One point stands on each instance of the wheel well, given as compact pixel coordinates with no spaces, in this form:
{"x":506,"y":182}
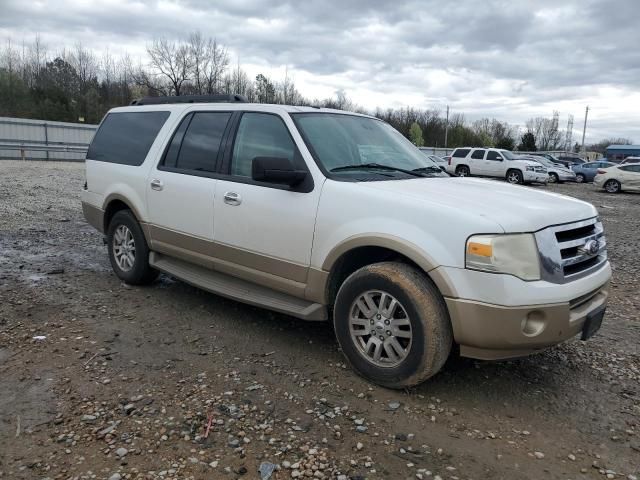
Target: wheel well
{"x":113,"y":207}
{"x":355,"y":259}
{"x":462,"y":165}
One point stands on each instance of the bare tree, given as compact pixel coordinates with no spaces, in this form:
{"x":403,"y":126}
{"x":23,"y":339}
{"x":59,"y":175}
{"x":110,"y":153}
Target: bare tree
{"x":239,"y":81}
{"x":218,"y":63}
{"x":546,"y":132}
{"x":170,"y":60}
{"x":85,"y":64}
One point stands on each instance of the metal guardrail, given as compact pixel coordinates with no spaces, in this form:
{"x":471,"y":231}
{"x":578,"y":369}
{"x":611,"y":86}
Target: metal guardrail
{"x":23,"y":148}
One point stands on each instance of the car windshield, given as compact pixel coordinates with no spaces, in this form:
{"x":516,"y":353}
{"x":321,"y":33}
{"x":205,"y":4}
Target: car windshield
{"x":545,"y":161}
{"x":508,"y":155}
{"x":344,"y":144}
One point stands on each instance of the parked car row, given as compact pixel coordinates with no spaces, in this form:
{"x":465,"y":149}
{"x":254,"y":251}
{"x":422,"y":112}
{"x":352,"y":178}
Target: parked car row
{"x":539,"y":168}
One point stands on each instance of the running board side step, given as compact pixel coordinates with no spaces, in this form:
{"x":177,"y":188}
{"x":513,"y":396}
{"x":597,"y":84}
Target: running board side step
{"x":237,"y":289}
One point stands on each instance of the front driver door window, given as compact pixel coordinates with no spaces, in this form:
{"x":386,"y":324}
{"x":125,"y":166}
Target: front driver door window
{"x":262,"y":228}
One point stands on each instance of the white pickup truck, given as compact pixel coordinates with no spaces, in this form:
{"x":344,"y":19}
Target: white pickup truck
{"x":324,"y":214}
{"x":493,"y":162}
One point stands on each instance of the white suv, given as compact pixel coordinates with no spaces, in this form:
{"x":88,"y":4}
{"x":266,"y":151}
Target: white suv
{"x":492,"y":162}
{"x":323,"y":214}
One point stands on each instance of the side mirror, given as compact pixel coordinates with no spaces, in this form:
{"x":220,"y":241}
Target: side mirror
{"x":499,"y":158}
{"x":276,"y":170}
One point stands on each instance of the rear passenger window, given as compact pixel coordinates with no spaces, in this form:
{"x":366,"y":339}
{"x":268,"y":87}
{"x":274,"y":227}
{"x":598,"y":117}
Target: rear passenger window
{"x":260,"y":135}
{"x":126,"y":137}
{"x":196,"y":143}
{"x":478,"y":154}
{"x":461,"y":152}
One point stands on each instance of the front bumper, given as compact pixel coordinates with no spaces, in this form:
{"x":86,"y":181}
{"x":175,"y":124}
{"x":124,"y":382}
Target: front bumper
{"x":490,"y":321}
{"x":535,"y":177}
{"x":567,"y":177}
{"x":492,"y":332}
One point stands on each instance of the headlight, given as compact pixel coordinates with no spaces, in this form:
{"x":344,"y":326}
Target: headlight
{"x":530,"y":168}
{"x":512,"y":254}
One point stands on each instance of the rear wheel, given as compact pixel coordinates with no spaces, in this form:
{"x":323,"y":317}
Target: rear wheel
{"x":128,"y":249}
{"x":463,"y":171}
{"x":514,"y":177}
{"x":553,"y":178}
{"x":392,"y":324}
{"x":580,"y":178}
{"x":612,"y":186}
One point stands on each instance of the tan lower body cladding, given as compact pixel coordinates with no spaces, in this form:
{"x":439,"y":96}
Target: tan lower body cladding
{"x":287,"y":277}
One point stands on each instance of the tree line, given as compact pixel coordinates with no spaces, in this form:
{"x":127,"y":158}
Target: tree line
{"x":76,"y":84}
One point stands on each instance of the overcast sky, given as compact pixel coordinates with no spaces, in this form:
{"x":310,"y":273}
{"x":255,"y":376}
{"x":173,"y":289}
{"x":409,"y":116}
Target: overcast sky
{"x":505,"y":59}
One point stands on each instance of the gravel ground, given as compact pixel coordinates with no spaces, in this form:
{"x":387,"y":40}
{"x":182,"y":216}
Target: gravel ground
{"x":104,"y":380}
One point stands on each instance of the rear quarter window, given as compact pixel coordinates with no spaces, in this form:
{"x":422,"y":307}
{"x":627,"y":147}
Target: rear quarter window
{"x":126,"y":137}
{"x":460,"y":152}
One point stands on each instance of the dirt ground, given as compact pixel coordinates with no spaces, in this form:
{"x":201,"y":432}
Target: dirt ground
{"x":107,"y":381}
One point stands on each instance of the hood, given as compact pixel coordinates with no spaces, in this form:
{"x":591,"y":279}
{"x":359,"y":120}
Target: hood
{"x":515,"y":208}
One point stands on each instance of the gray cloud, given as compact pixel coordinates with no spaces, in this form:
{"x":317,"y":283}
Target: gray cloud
{"x":508,"y":58}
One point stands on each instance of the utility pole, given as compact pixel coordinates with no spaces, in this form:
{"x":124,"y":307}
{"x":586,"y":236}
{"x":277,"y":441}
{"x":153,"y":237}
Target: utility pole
{"x":446,"y":129}
{"x":584,"y":129}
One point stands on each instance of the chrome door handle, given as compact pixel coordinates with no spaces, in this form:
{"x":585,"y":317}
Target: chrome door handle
{"x":232,"y":198}
{"x":156,"y":184}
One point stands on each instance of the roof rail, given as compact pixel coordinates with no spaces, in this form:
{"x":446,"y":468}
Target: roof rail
{"x":191,"y":99}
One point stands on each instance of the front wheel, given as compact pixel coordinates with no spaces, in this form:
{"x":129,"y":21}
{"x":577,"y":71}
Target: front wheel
{"x":128,"y":250}
{"x":515,"y":177}
{"x":392,"y":324}
{"x":612,"y":186}
{"x":553,"y":178}
{"x":580,"y":178}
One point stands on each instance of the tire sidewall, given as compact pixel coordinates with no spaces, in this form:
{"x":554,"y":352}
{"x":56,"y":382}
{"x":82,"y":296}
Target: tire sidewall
{"x":352,"y":288}
{"x":140,"y":265}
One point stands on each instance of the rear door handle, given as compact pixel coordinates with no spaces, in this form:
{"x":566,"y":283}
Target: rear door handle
{"x":156,"y":184}
{"x":232,"y":198}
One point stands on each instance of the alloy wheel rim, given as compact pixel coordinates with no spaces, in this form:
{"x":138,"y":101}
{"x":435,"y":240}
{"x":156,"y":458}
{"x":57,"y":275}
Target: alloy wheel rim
{"x":380,"y":328}
{"x":553,"y":178}
{"x":612,"y":187}
{"x":513,"y":178}
{"x":579,"y":178}
{"x":124,"y":248}
{"x":462,"y":172}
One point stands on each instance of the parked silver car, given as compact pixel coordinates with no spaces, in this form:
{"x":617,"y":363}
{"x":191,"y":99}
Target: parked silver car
{"x":558,"y":173}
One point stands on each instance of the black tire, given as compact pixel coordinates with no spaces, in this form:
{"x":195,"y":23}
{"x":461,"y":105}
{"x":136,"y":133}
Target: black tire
{"x":431,"y":334}
{"x":462,"y":171}
{"x":140,"y":273}
{"x":514,"y":177}
{"x":612,"y":186}
{"x":580,"y":178}
{"x":553,"y":178}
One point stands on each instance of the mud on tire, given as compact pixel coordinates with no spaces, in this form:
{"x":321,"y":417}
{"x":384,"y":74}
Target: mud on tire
{"x":425,"y":317}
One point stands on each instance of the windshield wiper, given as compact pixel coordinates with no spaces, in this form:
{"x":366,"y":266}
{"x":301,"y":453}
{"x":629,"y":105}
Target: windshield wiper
{"x":367,"y":166}
{"x":433,"y":169}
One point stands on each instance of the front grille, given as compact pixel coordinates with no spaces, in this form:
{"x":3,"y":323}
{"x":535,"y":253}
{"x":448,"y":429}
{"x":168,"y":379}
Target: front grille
{"x":571,"y":251}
